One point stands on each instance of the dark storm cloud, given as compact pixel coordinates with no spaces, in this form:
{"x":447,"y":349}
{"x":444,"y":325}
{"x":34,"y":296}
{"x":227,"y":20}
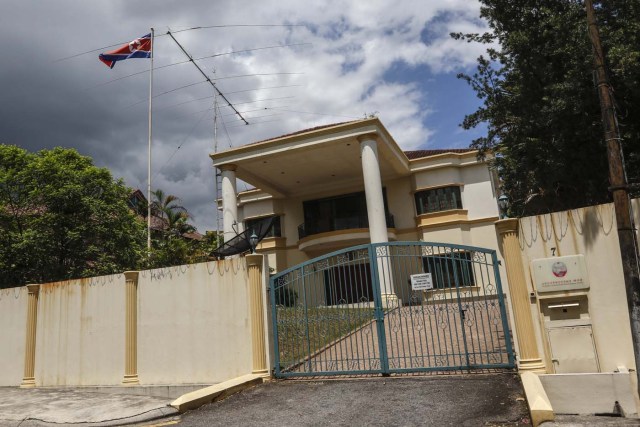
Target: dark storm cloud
{"x":46,"y":103}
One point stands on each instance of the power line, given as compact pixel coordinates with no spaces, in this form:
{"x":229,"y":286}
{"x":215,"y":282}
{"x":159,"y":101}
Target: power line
{"x":257,"y":123}
{"x":211,"y":96}
{"x":207,"y":77}
{"x":233,"y":114}
{"x":256,"y":109}
{"x":166,"y":92}
{"x":181,"y":143}
{"x":201,"y":58}
{"x":204,"y":81}
{"x":239,"y":25}
{"x":318,"y":114}
{"x":178,"y":31}
{"x":262,"y":88}
{"x":262,"y":100}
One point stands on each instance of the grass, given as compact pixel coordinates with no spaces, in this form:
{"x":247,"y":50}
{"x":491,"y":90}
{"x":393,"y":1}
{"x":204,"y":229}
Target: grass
{"x":302,"y":334}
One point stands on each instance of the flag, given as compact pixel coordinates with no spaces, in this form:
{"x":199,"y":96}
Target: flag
{"x":138,"y":48}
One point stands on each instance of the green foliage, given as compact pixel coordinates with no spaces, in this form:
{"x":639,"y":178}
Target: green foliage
{"x":286,"y":297}
{"x":540,"y":104}
{"x":61,"y":217}
{"x":170,"y":246}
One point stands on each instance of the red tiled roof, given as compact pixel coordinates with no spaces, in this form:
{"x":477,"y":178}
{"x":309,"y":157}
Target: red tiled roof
{"x":418,"y":154}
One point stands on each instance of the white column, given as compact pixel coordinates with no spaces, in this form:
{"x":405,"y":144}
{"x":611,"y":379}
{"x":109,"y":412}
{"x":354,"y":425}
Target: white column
{"x":377,"y":217}
{"x":373,"y":188}
{"x":229,"y":200}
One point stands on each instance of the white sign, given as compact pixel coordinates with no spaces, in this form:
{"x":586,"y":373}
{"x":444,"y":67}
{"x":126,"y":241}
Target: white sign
{"x":421,"y":282}
{"x":565,"y":273}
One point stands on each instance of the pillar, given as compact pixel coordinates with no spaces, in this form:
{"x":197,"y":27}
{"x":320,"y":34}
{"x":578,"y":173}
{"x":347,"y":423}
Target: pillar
{"x":131,"y":329}
{"x":256,"y":310}
{"x":528,"y":352}
{"x":376,"y":215}
{"x":229,"y":200}
{"x":373,"y":188}
{"x":29,"y":379}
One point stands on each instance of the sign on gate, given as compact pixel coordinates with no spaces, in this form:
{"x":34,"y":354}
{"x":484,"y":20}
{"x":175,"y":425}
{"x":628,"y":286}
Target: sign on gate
{"x":421,"y":282}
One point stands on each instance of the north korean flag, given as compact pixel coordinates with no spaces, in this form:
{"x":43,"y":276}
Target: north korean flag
{"x":138,"y":48}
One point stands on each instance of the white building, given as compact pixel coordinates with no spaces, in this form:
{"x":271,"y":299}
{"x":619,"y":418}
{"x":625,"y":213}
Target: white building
{"x":339,"y":185}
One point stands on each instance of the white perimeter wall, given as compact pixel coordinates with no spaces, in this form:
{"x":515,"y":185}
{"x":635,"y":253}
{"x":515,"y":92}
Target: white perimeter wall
{"x":80,"y":332}
{"x":193,"y":323}
{"x":13,"y":321}
{"x":193,"y":327}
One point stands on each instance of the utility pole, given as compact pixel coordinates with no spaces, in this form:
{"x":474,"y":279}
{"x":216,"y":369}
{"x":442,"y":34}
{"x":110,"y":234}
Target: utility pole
{"x":618,"y":187}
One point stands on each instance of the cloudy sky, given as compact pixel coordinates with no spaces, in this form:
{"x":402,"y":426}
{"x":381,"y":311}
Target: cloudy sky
{"x":344,"y":59}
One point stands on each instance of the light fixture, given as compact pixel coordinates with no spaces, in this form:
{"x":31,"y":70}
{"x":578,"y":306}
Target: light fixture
{"x":253,"y":242}
{"x":503,"y":204}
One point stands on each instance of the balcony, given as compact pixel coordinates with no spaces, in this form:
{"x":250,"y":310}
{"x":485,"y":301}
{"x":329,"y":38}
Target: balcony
{"x":338,"y":224}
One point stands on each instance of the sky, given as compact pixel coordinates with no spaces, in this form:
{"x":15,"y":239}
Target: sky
{"x":298,"y":64}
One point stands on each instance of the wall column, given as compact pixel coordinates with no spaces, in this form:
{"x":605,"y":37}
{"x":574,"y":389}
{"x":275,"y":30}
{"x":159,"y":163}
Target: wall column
{"x":256,"y":310}
{"x":377,"y":215}
{"x":29,"y":379}
{"x":229,"y":200}
{"x":528,"y":352}
{"x":131,"y":329}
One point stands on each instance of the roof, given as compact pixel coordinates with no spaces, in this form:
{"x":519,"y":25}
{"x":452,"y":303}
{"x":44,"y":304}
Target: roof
{"x":418,"y":154}
{"x":302,"y":131}
{"x":412,"y":154}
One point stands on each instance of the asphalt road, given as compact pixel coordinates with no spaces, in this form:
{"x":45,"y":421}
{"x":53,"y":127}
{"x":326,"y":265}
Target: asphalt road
{"x":444,"y":400}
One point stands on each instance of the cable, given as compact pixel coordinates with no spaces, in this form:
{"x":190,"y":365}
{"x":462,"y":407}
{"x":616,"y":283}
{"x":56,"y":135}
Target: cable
{"x":181,"y":143}
{"x":262,"y":88}
{"x":262,"y":100}
{"x":198,"y":59}
{"x":255,"y":109}
{"x":164,"y":93}
{"x":204,"y":81}
{"x":178,"y":31}
{"x":209,"y":97}
{"x":256,"y":123}
{"x":318,"y":114}
{"x":207,"y":77}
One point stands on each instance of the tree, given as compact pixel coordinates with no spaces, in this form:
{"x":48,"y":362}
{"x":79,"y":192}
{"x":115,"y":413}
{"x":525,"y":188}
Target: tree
{"x":171,"y":245}
{"x":61,"y":217}
{"x":540,"y":104}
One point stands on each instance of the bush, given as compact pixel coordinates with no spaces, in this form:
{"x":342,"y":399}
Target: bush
{"x":286,"y":296}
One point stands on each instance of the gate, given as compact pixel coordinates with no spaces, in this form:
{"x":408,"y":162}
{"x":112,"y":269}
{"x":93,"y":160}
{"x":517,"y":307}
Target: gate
{"x":356,"y":311}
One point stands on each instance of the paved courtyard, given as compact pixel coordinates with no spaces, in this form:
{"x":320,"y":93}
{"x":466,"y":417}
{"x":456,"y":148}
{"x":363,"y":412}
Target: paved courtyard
{"x":430,"y":335}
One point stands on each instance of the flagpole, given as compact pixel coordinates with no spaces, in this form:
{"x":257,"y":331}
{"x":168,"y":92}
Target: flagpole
{"x":149,"y":157}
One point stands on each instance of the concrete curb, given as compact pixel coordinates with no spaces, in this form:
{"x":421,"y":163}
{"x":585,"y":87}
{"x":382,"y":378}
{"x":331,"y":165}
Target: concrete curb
{"x":215,"y":392}
{"x":539,"y":405}
{"x":144,"y":417}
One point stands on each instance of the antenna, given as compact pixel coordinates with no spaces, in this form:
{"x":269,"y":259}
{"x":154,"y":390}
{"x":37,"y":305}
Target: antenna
{"x":207,"y":78}
{"x":218,"y":176}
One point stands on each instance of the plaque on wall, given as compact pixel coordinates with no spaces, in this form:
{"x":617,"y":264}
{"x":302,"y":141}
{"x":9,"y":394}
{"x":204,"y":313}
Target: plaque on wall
{"x":564,"y":273}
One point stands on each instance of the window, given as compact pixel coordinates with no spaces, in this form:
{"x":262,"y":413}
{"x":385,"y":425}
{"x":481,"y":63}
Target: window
{"x":275,"y":230}
{"x":438,"y":199}
{"x":448,"y":268}
{"x":342,"y":212}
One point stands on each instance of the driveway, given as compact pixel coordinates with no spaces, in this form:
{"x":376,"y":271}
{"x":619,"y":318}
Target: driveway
{"x":439,"y":400}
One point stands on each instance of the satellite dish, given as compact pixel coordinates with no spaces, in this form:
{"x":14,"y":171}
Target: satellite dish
{"x":241,"y":242}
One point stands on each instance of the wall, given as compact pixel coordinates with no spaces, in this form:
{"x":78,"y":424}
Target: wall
{"x":194,"y":323}
{"x":13,"y":318}
{"x":590,"y":231}
{"x":193,"y":327}
{"x":80,"y":332}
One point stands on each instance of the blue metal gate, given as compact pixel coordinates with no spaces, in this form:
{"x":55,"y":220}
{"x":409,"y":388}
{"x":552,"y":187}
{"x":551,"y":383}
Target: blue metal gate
{"x":356,"y":311}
